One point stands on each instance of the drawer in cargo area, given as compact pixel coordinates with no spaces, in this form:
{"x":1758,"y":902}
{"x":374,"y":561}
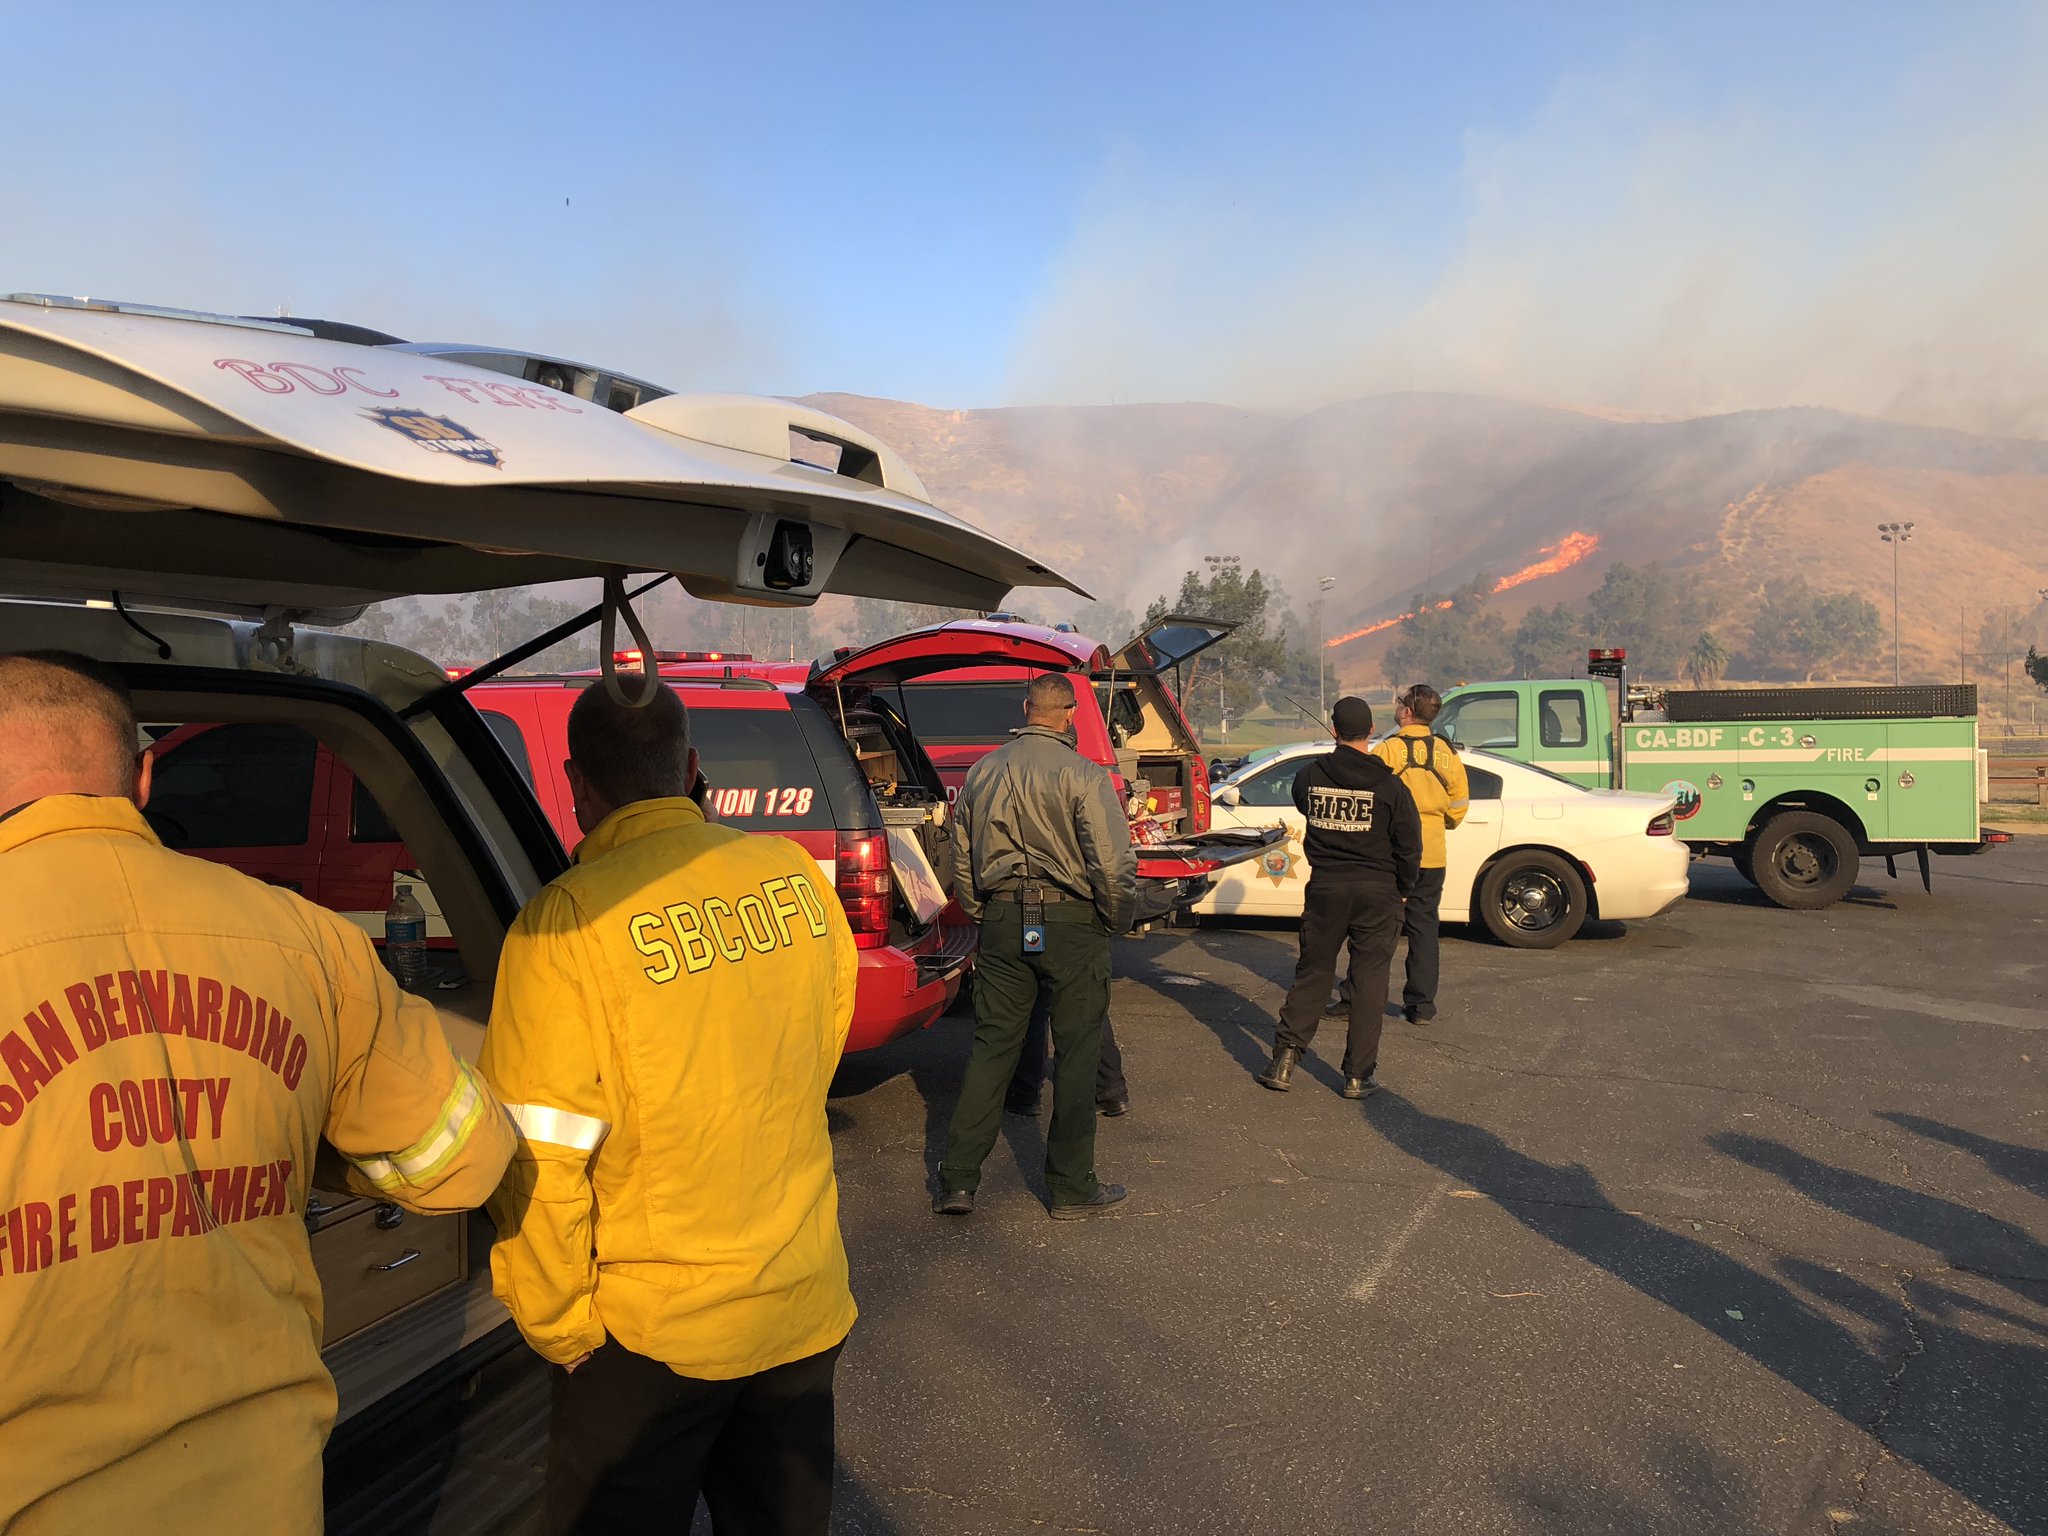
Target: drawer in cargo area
{"x":374,"y":1259}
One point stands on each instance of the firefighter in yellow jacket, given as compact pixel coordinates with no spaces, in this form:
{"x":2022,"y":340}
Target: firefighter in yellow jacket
{"x":175,"y":1039}
{"x":1428,"y":767}
{"x":668,"y":1018}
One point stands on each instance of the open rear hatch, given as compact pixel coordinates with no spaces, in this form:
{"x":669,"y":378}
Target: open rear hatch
{"x":199,"y":461}
{"x":1169,"y":641}
{"x":968,"y":643}
{"x":862,"y":690}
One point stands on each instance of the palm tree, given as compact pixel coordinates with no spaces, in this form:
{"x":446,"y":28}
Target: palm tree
{"x":1707,"y":662}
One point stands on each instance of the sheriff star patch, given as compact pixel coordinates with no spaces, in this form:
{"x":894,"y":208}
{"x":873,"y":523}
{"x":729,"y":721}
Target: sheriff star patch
{"x":1279,"y":862}
{"x":437,"y":434}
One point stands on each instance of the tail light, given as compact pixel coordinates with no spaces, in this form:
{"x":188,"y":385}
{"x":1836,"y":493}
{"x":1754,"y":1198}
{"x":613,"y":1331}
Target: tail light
{"x":1198,"y":775}
{"x":1661,"y":825}
{"x":863,"y":881}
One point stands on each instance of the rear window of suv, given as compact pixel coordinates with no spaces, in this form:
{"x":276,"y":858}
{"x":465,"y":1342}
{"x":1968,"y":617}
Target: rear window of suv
{"x":946,"y":714}
{"x":761,"y":771}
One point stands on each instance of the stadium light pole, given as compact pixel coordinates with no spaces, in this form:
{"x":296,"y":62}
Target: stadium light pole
{"x":1323,"y":644}
{"x":1895,"y":534}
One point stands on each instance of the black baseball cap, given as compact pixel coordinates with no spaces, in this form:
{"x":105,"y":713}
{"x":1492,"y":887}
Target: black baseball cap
{"x":1352,"y":718}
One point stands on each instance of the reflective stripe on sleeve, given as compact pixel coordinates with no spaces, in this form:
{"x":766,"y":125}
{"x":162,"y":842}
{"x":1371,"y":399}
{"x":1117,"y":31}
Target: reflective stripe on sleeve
{"x":558,"y":1127}
{"x":457,"y":1118}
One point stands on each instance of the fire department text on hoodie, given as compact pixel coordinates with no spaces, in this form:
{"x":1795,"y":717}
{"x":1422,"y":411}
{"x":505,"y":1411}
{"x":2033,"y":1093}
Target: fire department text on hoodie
{"x":1362,"y":822}
{"x":175,"y":1040}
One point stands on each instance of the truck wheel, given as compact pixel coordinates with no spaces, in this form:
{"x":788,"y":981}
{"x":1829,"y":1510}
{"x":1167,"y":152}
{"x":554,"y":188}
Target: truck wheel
{"x":1804,"y":861}
{"x":1532,"y":900}
{"x":1743,"y":865}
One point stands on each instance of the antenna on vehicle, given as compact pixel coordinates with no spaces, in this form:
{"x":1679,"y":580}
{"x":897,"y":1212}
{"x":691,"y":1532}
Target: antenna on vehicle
{"x":1307,"y":714}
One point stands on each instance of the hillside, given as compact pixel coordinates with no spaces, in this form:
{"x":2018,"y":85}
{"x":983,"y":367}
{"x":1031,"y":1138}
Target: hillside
{"x":1396,"y":493}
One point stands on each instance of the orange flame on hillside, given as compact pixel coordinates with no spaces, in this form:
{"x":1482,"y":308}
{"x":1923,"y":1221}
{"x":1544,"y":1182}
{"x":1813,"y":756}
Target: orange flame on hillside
{"x":1561,"y":556}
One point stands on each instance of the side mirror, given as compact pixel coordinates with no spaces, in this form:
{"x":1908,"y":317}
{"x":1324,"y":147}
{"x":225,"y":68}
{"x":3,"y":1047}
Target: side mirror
{"x":1229,"y":795}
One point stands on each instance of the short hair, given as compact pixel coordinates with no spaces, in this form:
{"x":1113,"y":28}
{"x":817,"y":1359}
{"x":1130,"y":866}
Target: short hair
{"x":1423,"y":702}
{"x":631,"y":753}
{"x":1049,"y":691}
{"x":1351,"y":718}
{"x":39,"y":684}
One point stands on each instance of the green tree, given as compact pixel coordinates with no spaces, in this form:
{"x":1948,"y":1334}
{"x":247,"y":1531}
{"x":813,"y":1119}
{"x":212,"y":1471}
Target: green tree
{"x":1707,"y":662}
{"x":1305,"y":662}
{"x":878,"y":619}
{"x":1653,"y":613}
{"x":1798,"y":631}
{"x":468,"y":631}
{"x":2037,"y":667}
{"x":1547,"y":643}
{"x":1233,"y":676}
{"x":1451,"y":639}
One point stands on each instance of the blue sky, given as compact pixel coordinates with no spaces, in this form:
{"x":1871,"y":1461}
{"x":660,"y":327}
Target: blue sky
{"x":1643,"y":206}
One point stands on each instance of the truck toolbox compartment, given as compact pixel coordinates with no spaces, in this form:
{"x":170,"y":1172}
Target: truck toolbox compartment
{"x":373,"y":1259}
{"x":1685,"y":706}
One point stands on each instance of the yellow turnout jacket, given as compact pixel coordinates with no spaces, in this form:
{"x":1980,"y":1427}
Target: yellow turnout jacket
{"x":1430,"y":771}
{"x":175,"y":1039}
{"x":668,"y":1018}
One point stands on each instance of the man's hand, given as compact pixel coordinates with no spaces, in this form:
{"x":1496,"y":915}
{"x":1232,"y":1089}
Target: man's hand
{"x":582,"y":1359}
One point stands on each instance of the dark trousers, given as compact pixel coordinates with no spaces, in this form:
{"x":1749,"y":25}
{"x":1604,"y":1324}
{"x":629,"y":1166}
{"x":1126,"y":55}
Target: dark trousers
{"x":631,"y":1445}
{"x":1073,"y":976}
{"x":1419,"y":928}
{"x":1368,"y":913}
{"x":1029,"y":1077}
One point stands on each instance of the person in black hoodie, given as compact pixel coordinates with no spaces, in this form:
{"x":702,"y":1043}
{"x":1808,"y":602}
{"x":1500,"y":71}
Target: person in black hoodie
{"x":1364,"y":847}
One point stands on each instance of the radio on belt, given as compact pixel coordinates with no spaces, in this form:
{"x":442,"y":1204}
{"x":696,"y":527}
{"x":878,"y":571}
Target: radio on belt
{"x":1031,"y":905}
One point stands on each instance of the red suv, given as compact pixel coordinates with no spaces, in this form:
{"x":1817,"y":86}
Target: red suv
{"x":850,"y":786}
{"x":960,"y":688}
{"x":271,"y":801}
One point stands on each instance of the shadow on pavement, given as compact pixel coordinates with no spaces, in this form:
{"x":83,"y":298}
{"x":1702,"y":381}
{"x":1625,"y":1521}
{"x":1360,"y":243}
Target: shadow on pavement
{"x":1965,"y":1238}
{"x":1987,"y":1439}
{"x":1724,"y":887}
{"x":933,"y":1065}
{"x":2026,"y":1167}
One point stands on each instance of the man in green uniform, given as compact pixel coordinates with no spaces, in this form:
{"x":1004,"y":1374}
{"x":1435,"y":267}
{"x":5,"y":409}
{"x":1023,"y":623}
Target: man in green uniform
{"x":1042,"y":860}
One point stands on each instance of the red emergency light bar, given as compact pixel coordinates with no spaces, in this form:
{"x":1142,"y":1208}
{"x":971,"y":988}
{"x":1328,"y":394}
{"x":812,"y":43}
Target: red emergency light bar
{"x":455,"y":672}
{"x":1616,"y":654}
{"x":664,"y":656}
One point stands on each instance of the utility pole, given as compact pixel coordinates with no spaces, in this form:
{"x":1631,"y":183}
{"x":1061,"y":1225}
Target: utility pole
{"x":2008,"y":669}
{"x":1218,"y":566}
{"x":1322,"y":644}
{"x":1895,"y":534}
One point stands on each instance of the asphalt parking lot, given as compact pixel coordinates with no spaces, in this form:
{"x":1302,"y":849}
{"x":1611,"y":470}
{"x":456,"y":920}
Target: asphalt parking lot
{"x":1733,"y":1221}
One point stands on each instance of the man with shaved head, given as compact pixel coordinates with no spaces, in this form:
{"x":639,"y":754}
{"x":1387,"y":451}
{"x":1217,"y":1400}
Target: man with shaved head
{"x":67,"y":726}
{"x":186,"y":1037}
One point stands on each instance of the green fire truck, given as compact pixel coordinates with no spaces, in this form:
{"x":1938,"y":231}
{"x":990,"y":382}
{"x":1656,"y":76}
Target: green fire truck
{"x":1794,"y":785}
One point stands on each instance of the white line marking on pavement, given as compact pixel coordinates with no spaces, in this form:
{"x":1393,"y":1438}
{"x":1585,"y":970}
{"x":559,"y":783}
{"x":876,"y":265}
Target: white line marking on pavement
{"x":1369,"y":1283}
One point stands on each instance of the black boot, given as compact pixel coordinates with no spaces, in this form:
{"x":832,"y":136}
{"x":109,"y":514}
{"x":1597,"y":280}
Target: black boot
{"x":1279,"y":1073}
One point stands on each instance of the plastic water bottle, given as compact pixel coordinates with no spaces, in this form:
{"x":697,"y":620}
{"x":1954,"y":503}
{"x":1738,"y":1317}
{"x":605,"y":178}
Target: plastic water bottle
{"x":405,"y":937}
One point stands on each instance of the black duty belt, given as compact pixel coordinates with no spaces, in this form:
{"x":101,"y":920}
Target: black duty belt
{"x":1051,"y":895}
